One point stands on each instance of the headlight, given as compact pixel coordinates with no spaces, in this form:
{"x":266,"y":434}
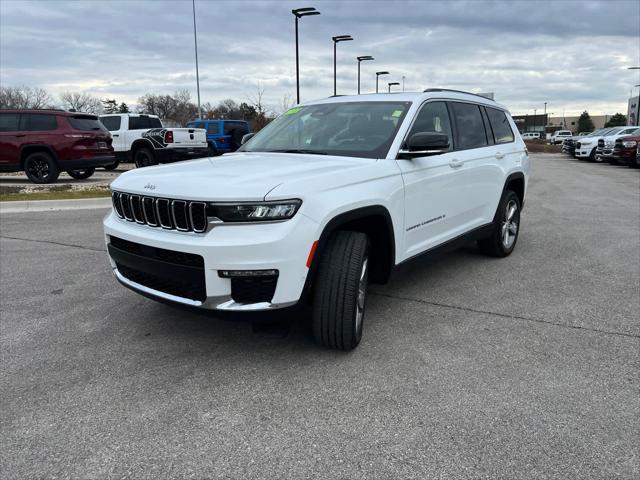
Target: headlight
{"x":629,"y":143}
{"x":253,"y":211}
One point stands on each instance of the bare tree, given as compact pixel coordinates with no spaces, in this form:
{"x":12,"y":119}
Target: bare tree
{"x":24,"y":97}
{"x":256,"y":100}
{"x":81,"y":102}
{"x":286,"y":103}
{"x":176,"y":109}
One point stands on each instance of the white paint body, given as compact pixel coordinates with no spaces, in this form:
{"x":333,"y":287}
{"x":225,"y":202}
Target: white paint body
{"x":464,"y":187}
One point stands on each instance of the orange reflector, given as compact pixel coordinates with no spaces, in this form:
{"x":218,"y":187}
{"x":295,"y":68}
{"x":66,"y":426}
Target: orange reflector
{"x":312,"y":253}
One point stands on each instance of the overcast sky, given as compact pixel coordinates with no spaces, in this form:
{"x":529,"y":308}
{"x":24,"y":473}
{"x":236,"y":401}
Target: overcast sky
{"x":572,"y":54}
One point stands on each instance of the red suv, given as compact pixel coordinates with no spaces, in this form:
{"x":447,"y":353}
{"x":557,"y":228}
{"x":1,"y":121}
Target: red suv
{"x":42,"y":143}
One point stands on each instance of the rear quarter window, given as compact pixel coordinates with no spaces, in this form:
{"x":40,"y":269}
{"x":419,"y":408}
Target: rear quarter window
{"x":85,"y":123}
{"x":139,"y":123}
{"x":154,"y":122}
{"x":502,"y":132}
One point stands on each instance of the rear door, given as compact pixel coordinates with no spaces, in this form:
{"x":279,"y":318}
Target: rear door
{"x":41,"y":129}
{"x":10,"y":138}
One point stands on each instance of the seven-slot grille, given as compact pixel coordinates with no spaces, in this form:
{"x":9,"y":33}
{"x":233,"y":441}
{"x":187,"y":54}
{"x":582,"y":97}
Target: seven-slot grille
{"x":181,"y":215}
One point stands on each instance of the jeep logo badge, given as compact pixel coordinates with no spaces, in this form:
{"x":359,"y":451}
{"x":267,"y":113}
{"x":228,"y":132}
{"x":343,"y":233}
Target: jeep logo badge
{"x":150,"y":186}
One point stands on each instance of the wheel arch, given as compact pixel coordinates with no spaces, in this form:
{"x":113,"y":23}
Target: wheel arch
{"x":375,"y":221}
{"x":27,"y":150}
{"x":141,"y":143}
{"x":515,"y":182}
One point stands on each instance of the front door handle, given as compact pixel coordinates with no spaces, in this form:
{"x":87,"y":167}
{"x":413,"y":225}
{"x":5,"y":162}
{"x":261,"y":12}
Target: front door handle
{"x":21,"y":134}
{"x":499,"y":155}
{"x":455,"y":163}
{"x":116,"y":135}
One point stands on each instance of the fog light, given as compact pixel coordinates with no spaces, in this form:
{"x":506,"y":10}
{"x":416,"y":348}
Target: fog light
{"x":247,"y":273}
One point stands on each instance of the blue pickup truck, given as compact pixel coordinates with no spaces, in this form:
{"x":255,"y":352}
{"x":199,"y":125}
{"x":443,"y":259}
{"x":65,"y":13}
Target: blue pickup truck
{"x":223,"y":136}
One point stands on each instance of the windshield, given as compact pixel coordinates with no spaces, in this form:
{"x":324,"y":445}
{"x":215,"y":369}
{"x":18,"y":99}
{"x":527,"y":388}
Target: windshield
{"x":352,"y":129}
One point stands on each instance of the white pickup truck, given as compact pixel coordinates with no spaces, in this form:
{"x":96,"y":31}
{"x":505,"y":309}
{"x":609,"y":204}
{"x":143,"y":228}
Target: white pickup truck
{"x":143,"y":140}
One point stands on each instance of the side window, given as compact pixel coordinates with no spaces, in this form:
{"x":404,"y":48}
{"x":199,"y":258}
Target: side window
{"x":196,"y":125}
{"x":433,"y":117}
{"x":40,"y":123}
{"x":111,"y":123}
{"x":470,"y":127}
{"x":213,"y":128}
{"x":8,"y":122}
{"x":502,"y":132}
{"x":155,"y":122}
{"x":138,"y":123}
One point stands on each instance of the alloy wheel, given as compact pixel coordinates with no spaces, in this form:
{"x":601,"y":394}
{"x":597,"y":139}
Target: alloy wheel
{"x":510,"y":225}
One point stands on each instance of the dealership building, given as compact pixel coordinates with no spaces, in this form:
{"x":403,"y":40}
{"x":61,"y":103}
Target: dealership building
{"x":547,"y":124}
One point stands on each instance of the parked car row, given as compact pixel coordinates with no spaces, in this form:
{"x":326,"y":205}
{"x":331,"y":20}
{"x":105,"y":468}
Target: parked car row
{"x":616,"y":145}
{"x":44,"y":143}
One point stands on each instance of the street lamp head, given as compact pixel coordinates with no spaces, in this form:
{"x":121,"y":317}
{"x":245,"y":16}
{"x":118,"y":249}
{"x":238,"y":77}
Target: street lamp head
{"x":366,"y":57}
{"x":382,"y":73}
{"x":342,"y":38}
{"x":303,"y":12}
{"x":393,"y":83}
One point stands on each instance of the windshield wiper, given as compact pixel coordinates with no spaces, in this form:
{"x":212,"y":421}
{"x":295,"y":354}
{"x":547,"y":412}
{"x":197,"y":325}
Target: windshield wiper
{"x":299,"y":150}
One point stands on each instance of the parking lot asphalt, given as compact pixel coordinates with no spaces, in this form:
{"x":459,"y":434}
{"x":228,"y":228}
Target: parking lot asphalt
{"x":470,"y":367}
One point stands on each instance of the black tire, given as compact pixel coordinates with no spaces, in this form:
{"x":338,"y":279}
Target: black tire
{"x":81,"y":174}
{"x":496,"y":244}
{"x":113,"y":166}
{"x":213,"y":151}
{"x":340,"y":291}
{"x":592,"y":155}
{"x":144,"y":158}
{"x":41,"y":167}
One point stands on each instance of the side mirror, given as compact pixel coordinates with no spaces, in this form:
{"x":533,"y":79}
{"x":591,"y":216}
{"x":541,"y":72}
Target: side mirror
{"x":422,"y":144}
{"x":246,"y":137}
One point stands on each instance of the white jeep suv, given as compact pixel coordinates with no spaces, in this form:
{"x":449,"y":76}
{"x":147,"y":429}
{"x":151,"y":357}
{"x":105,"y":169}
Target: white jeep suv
{"x":328,"y":197}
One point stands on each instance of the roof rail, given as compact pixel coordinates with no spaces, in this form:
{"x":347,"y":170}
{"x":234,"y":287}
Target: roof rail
{"x":456,"y":91}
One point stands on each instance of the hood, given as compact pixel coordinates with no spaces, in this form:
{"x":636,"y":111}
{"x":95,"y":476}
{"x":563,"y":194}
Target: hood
{"x":243,"y":176}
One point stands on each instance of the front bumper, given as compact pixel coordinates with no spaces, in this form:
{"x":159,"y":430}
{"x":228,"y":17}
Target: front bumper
{"x":584,"y":151}
{"x":625,"y":155}
{"x":282,"y":246}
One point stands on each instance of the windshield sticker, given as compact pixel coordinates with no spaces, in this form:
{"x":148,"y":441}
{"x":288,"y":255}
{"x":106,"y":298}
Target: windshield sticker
{"x":291,"y":111}
{"x":397,"y":113}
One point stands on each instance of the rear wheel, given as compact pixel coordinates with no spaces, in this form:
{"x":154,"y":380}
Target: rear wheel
{"x":41,"y":167}
{"x":213,"y":151}
{"x":81,"y":174}
{"x":144,"y":158}
{"x":113,"y":166}
{"x":340,"y":292}
{"x":506,"y":227}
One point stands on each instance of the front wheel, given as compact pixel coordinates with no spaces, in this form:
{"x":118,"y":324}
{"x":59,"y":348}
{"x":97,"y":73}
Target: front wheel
{"x":506,"y":227}
{"x":81,"y":174}
{"x":340,"y":292}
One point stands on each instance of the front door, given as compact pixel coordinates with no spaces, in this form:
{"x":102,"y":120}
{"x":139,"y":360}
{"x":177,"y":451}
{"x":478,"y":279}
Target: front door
{"x":430,"y":185}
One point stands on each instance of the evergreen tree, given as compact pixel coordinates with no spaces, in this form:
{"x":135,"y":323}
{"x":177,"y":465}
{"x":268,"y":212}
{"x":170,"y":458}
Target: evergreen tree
{"x":585,"y":124}
{"x":617,"y":120}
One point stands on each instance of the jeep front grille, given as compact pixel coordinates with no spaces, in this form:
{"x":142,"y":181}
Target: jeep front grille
{"x":170,"y":214}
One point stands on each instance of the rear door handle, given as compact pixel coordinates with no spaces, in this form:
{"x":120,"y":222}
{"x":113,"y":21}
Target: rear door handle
{"x":116,"y":135}
{"x":499,"y":155}
{"x":21,"y":134}
{"x":455,"y":163}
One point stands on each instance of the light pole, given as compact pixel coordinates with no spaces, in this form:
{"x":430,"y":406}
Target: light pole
{"x":392,"y":83}
{"x":377,"y":76}
{"x":195,"y":41}
{"x":535,"y":120}
{"x":362,"y":59}
{"x":403,"y":83}
{"x":299,"y":13}
{"x":638,"y":101}
{"x":336,"y":40}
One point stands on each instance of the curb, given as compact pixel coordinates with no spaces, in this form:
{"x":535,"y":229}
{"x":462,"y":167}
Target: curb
{"x":51,"y":205}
